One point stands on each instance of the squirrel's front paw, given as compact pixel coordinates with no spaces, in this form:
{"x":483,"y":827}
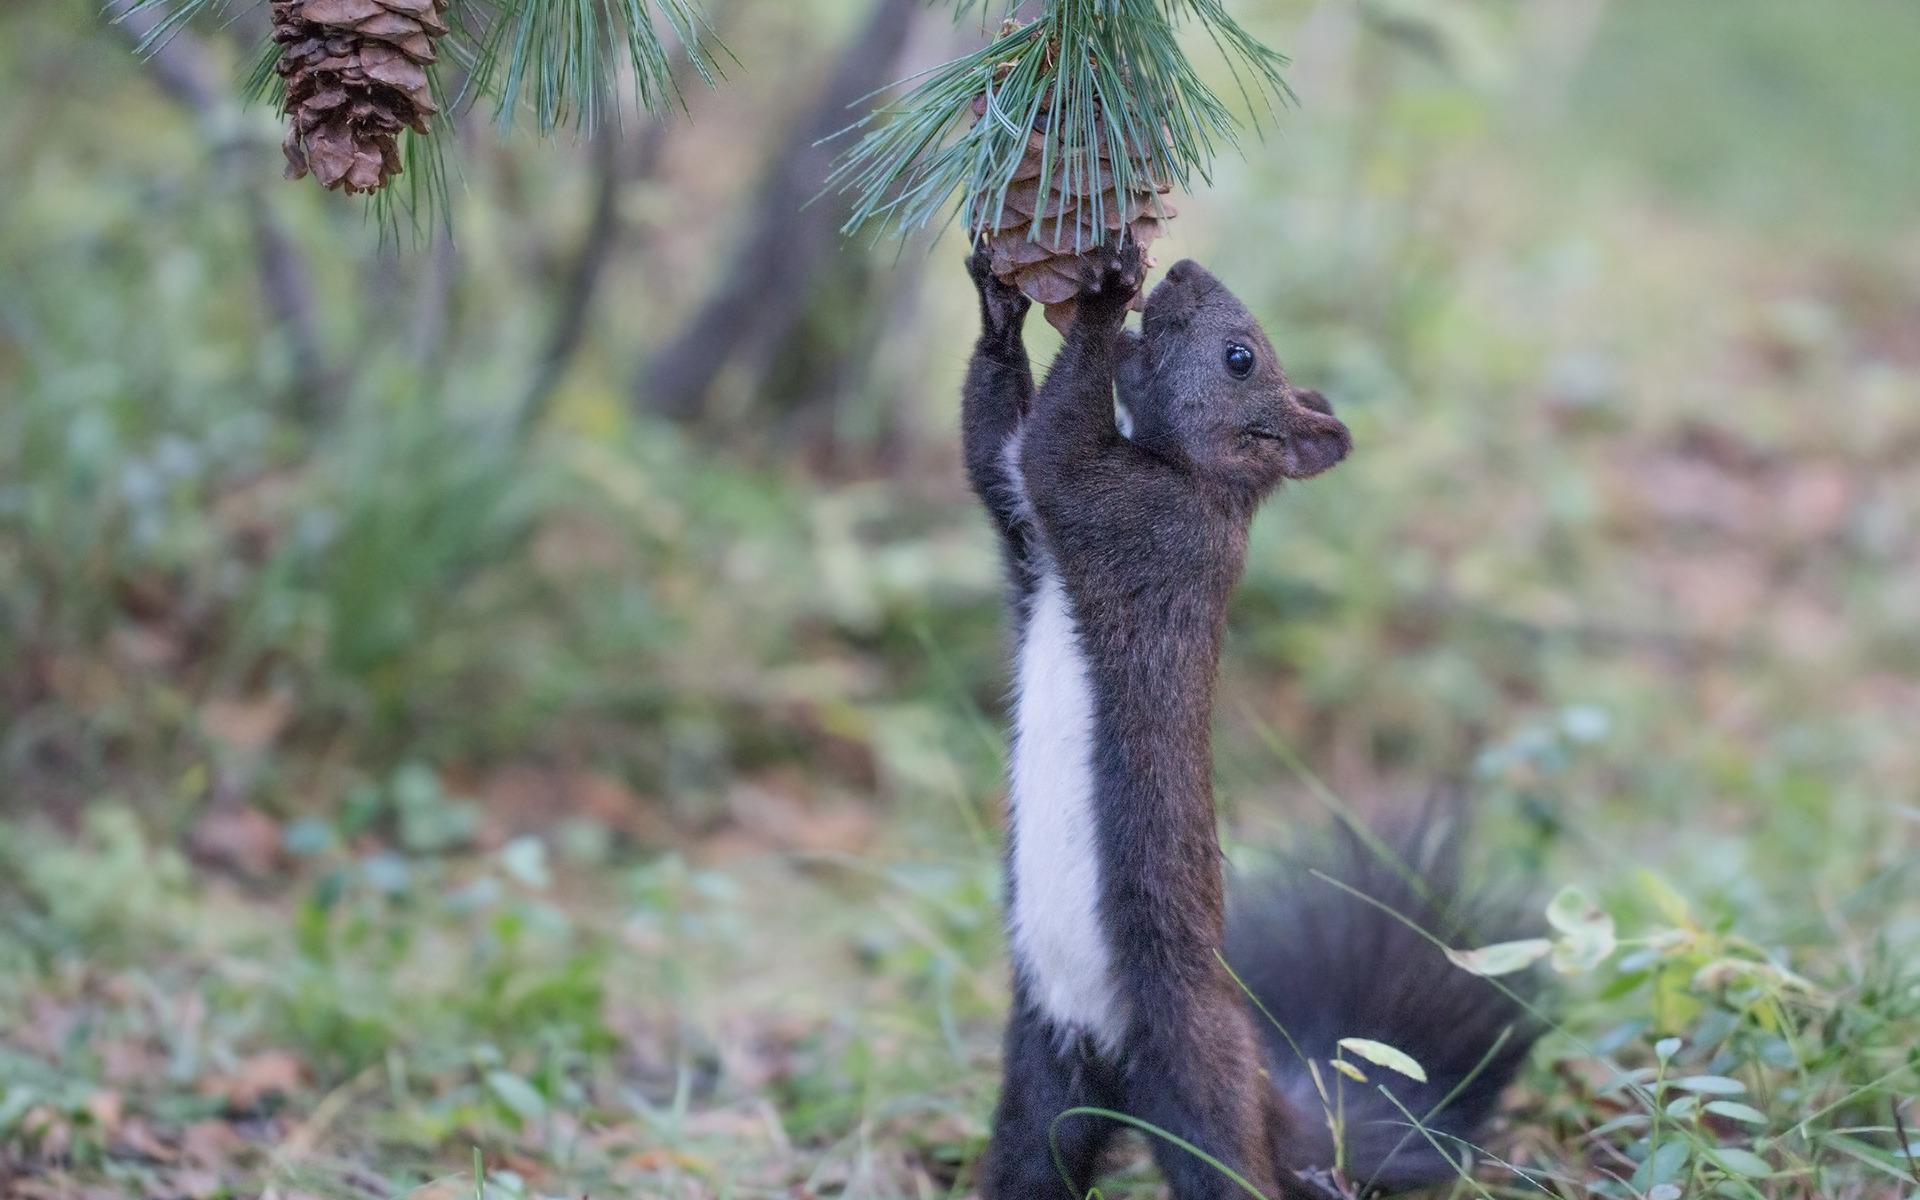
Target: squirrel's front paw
{"x":1001,"y":303}
{"x":1122,"y":270}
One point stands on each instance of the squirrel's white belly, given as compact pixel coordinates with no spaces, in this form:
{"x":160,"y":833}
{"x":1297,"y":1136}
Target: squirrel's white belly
{"x":1059,"y":940}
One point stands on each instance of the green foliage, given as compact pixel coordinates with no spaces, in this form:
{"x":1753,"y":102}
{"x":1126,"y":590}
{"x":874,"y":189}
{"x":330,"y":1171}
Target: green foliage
{"x":107,"y":898}
{"x":1752,"y":1070}
{"x":1112,"y":78}
{"x":562,"y":61}
{"x":1759,"y":131}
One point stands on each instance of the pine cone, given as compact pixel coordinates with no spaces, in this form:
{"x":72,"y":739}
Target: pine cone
{"x":355,"y":73}
{"x":1046,"y":237}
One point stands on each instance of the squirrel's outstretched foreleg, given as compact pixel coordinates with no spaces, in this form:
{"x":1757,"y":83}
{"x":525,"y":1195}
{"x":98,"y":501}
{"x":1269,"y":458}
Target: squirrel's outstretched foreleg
{"x":996,"y":398}
{"x":1075,"y":404}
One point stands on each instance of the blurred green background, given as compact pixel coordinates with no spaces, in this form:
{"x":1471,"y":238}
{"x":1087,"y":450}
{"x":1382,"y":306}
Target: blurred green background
{"x":542,"y":690}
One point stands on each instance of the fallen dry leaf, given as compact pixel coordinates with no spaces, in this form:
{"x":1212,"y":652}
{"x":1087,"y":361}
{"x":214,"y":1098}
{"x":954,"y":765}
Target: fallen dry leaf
{"x":106,"y":1108}
{"x":525,"y":799}
{"x":667,"y":1160}
{"x":788,"y":821}
{"x":208,"y":1144}
{"x":267,"y":1074}
{"x":246,"y":727}
{"x":196,"y":1184}
{"x":47,"y":1132}
{"x":129,"y":1060}
{"x":245,"y":840}
{"x":1815,"y":501}
{"x":50,"y":1185}
{"x":134,"y":1139}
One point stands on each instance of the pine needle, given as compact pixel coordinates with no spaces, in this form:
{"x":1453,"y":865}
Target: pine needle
{"x":559,"y":63}
{"x":1109,"y":74}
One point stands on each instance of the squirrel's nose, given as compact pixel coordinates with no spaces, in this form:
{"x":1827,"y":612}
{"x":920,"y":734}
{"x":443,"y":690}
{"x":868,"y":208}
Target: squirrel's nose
{"x":1179,"y":292}
{"x":1190,"y":279}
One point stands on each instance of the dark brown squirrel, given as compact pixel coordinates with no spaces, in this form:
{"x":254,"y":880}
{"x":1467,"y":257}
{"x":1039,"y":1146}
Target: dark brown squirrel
{"x":1122,"y":548}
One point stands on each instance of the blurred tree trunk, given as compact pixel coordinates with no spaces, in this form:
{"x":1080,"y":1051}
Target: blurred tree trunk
{"x":581,"y":281}
{"x":794,"y":305}
{"x":617,"y":161}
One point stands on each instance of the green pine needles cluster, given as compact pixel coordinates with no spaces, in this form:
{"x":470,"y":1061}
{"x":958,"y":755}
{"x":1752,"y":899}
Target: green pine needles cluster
{"x":1105,"y":80}
{"x":1114,"y":83}
{"x":560,"y":64}
{"x":558,"y":60}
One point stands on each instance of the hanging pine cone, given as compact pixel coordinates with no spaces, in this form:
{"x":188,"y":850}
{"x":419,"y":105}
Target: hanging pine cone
{"x":1046,"y":236}
{"x":355,"y":73}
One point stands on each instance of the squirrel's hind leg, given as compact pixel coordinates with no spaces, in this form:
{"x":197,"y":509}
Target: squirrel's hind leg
{"x":1044,"y":1077}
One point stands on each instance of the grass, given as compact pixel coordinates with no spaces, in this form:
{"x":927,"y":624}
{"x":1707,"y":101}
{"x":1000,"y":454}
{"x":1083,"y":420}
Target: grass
{"x":608,"y":1032}
{"x":621,"y":808}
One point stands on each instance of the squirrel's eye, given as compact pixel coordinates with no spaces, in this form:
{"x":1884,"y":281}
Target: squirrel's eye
{"x":1239,"y":360}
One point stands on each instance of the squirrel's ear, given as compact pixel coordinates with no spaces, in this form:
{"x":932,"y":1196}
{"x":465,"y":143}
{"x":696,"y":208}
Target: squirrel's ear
{"x":1315,"y":442}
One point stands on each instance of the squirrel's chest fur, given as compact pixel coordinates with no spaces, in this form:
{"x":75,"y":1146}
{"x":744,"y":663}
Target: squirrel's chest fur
{"x":1060,"y":943}
{"x":1060,"y":843}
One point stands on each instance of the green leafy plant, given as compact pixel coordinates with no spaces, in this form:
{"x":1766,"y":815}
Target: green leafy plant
{"x":1731,"y":1068}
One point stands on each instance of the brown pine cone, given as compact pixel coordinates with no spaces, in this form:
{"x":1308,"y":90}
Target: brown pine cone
{"x":1043,"y":238}
{"x":355,"y":73}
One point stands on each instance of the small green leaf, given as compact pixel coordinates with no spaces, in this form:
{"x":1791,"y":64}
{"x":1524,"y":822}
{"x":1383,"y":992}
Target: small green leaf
{"x":1672,"y":904}
{"x":1664,"y":1165}
{"x":1624,"y":984}
{"x":1382,"y":1055}
{"x":1734,"y":1110}
{"x":1666,"y":1048}
{"x":1573,"y":911}
{"x":1683,"y":1106}
{"x":309,"y":836}
{"x":1717,"y":1085}
{"x":520,"y":1097}
{"x":1627,"y":1079}
{"x":1502,"y":958}
{"x":1744,"y":1163}
{"x":1348,"y":1069}
{"x":19,"y":1099}
{"x":1586,"y":931}
{"x":1624,"y":1121}
{"x":525,"y":858}
{"x":1575,"y":956}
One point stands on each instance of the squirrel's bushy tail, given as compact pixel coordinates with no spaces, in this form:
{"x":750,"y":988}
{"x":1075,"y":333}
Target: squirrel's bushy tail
{"x":1327,"y":965}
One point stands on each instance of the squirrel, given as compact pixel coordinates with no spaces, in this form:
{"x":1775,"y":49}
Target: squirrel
{"x":1124,"y":536}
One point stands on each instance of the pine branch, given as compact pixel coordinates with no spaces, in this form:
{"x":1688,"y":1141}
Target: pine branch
{"x":557,"y":63}
{"x":561,"y":61}
{"x":1103,"y":82}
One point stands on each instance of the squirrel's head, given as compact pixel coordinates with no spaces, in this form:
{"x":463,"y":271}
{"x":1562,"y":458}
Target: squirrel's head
{"x":1202,"y":385}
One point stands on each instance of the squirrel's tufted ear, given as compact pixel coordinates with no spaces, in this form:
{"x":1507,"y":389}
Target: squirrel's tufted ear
{"x":1316,"y":439}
